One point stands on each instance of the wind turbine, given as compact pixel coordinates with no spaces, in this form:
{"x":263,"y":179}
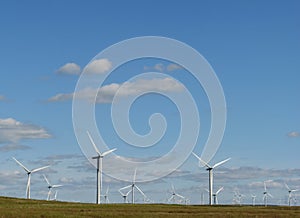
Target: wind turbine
{"x":50,"y":187}
{"x":106,"y":200}
{"x":174,"y":195}
{"x":29,"y":172}
{"x":210,"y":174}
{"x":266,"y":194}
{"x":215,"y":195}
{"x":125,"y":195}
{"x":99,"y":158}
{"x":290,"y":193}
{"x":253,"y":199}
{"x":133,"y":186}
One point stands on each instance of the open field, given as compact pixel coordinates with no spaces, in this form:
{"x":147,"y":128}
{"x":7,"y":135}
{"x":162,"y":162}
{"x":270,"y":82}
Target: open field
{"x":13,"y":207}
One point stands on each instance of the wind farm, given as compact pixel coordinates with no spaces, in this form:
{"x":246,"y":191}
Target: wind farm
{"x":150,"y":109}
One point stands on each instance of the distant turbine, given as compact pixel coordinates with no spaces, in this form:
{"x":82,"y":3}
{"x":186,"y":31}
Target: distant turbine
{"x":266,"y":194}
{"x":123,"y":194}
{"x":210,"y":174}
{"x":290,"y":193}
{"x":253,"y":199}
{"x":238,"y":197}
{"x":215,"y":195}
{"x":133,"y":186}
{"x":50,"y":187}
{"x":106,"y":199}
{"x":29,"y":172}
{"x":99,"y":158}
{"x":174,"y":195}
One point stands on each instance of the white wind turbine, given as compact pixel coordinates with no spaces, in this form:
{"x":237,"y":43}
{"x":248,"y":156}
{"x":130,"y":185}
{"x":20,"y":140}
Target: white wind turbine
{"x":105,"y":196}
{"x":174,"y":195}
{"x":99,"y":158}
{"x":29,"y":172}
{"x":210,"y":174}
{"x":253,"y":199}
{"x":290,"y":193}
{"x":266,"y":194}
{"x":215,"y":195}
{"x":50,"y":187}
{"x":125,"y":195}
{"x":133,"y":186}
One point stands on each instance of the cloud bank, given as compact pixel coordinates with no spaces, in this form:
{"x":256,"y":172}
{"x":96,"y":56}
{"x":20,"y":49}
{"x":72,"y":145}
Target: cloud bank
{"x":106,"y":93}
{"x":13,"y":131}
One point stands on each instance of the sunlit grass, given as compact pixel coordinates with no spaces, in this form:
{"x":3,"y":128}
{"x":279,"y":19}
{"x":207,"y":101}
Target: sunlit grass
{"x":13,"y":207}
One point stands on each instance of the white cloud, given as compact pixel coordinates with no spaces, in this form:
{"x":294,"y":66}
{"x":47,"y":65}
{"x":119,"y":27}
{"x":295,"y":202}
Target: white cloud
{"x":69,"y":68}
{"x":172,"y":67}
{"x":98,"y":66}
{"x":12,"y":147}
{"x":107,"y":93}
{"x":159,"y":67}
{"x":13,"y":131}
{"x":293,"y":134}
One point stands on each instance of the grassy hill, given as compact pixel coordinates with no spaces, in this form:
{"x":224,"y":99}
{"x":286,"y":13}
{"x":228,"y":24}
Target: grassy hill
{"x":14,"y":207}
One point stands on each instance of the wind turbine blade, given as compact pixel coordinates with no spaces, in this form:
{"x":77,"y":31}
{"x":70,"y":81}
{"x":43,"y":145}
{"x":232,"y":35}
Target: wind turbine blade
{"x":287,"y":186}
{"x":134,"y":176}
{"x":108,"y":152}
{"x":295,"y":190}
{"x":270,"y":195}
{"x":178,"y":195}
{"x":55,"y":196}
{"x":202,"y":162}
{"x":128,"y":192}
{"x":171,"y":198}
{"x":206,"y":190}
{"x":125,"y":187}
{"x":56,"y":186}
{"x":93,"y":143}
{"x":107,"y":190}
{"x":38,"y":169}
{"x":265,"y":186}
{"x":121,"y":192}
{"x":221,"y":162}
{"x":47,"y":180}
{"x":220,"y":189}
{"x":173,"y":189}
{"x":27,"y":170}
{"x":140,"y":191}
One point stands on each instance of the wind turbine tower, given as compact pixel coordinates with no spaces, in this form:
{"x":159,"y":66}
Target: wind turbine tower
{"x":29,"y":172}
{"x":210,"y":174}
{"x":99,"y":158}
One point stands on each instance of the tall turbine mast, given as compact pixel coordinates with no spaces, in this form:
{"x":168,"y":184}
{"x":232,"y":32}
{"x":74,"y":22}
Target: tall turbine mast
{"x":99,"y":158}
{"x":210,"y":168}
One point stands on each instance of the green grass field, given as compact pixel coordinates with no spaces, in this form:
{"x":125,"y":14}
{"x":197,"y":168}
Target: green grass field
{"x":13,"y":207}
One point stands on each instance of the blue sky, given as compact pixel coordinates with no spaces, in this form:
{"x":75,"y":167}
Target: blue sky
{"x":253,"y":46}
